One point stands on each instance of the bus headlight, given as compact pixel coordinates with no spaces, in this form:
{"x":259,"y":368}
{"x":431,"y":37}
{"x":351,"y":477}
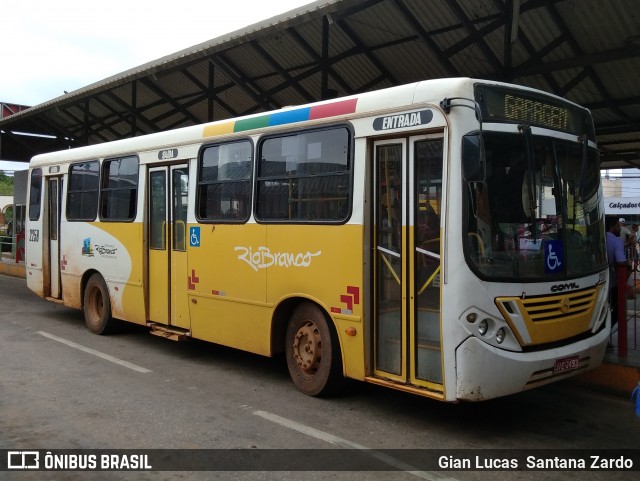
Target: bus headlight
{"x":482,"y":327}
{"x":489,"y":328}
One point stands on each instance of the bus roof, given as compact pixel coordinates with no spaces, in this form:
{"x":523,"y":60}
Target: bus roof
{"x":357,"y":105}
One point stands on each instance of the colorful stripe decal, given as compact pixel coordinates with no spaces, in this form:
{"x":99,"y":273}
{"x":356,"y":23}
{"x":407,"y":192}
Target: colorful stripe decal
{"x":252,"y":123}
{"x":289,"y":117}
{"x":218,"y":129}
{"x":341,"y":107}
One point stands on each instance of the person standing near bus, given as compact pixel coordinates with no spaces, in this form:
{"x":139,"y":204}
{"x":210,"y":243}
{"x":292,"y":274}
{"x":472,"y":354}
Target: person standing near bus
{"x":625,"y":232}
{"x":633,"y":247}
{"x":617,"y":258}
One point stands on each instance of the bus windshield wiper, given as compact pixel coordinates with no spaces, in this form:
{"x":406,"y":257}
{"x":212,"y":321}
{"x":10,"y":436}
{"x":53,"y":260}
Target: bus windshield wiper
{"x":531,"y":179}
{"x":583,"y":169}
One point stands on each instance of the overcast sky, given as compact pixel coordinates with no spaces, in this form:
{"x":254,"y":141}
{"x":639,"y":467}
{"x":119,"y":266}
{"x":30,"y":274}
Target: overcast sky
{"x":49,"y":46}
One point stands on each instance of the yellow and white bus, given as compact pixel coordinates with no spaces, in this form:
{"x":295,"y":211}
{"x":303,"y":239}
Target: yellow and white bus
{"x":444,"y":238}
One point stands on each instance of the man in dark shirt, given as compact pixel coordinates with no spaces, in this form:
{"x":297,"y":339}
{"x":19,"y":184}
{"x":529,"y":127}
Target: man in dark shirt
{"x":616,"y":256}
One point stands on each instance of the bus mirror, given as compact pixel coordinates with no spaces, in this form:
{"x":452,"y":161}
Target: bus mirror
{"x":473,"y":158}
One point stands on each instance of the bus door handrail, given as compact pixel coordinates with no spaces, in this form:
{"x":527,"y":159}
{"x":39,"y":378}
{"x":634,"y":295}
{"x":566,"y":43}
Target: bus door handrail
{"x":429,"y":281}
{"x":389,"y":266}
{"x":432,"y":277}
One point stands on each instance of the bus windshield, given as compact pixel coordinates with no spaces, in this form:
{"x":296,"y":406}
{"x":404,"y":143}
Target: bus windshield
{"x":537,"y":213}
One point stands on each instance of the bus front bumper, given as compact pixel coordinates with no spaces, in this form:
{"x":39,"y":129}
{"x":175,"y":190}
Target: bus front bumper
{"x":486,"y":372}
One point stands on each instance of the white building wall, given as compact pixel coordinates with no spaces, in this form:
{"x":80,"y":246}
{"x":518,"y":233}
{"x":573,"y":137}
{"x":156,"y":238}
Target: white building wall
{"x":621,"y":190}
{"x":5,"y":201}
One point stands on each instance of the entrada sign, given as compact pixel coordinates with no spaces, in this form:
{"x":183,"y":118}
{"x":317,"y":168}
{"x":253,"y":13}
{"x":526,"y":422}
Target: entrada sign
{"x":410,"y":119}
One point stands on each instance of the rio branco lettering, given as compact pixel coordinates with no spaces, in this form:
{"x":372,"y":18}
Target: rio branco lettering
{"x":262,"y":257}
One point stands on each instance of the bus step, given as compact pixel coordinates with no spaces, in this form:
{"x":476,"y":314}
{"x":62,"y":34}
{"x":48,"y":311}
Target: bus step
{"x":168,"y":332}
{"x":54,"y":299}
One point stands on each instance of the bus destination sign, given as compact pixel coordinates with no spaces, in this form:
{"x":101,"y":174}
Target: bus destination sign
{"x":535,"y":112}
{"x":508,"y":105}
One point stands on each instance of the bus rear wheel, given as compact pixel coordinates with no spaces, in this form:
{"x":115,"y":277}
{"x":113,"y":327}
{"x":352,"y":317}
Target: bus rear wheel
{"x":313,"y":352}
{"x":97,"y":306}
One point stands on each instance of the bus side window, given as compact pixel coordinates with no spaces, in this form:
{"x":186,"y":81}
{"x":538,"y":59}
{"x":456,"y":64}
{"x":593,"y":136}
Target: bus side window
{"x":35,"y":194}
{"x":224,"y":182}
{"x":119,"y":191}
{"x":305,"y":176}
{"x":82,"y":192}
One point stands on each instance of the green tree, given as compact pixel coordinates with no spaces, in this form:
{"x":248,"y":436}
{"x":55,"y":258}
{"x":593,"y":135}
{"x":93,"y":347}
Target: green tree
{"x":6,"y":184}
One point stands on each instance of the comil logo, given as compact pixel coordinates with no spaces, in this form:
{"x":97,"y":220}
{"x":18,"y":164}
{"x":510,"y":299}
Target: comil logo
{"x":564,"y":287}
{"x":23,"y":460}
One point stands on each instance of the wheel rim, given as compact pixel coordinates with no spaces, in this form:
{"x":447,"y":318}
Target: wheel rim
{"x":96,"y":304}
{"x":307,"y":348}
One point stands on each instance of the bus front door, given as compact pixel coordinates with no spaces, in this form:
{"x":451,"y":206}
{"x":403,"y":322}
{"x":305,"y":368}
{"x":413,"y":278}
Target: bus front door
{"x":167,"y":252}
{"x":407,"y":239}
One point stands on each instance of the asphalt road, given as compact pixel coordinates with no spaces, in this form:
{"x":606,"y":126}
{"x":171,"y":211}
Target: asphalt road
{"x":62,"y":387}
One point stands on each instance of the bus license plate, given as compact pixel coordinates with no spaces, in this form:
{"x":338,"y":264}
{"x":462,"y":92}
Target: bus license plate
{"x":566,"y":364}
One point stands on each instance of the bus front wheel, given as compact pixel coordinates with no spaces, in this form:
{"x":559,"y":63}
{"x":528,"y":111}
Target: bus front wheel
{"x":313,"y":352}
{"x":97,"y":306}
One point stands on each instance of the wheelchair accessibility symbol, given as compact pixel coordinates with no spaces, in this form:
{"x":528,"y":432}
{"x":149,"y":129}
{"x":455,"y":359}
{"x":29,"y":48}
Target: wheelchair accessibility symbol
{"x":194,"y":236}
{"x":553,"y":256}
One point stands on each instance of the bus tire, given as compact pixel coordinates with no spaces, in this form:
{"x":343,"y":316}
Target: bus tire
{"x":313,"y":352}
{"x":97,"y":306}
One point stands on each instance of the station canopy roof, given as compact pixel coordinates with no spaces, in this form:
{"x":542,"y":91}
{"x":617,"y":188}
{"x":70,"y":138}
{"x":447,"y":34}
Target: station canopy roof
{"x":587,"y":51}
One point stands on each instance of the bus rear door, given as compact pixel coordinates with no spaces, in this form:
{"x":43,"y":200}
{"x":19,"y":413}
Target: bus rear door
{"x":54,"y":202}
{"x":167,"y":246}
{"x":407,"y":239}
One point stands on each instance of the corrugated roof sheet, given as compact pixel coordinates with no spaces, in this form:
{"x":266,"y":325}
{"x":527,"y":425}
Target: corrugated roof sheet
{"x":585,"y":50}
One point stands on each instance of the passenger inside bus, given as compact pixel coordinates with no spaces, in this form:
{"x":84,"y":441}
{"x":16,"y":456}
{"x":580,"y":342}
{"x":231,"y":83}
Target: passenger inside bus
{"x":428,"y":229}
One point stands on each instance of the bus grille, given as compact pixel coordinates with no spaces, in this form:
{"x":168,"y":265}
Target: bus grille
{"x":544,"y":319}
{"x":550,"y":308}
